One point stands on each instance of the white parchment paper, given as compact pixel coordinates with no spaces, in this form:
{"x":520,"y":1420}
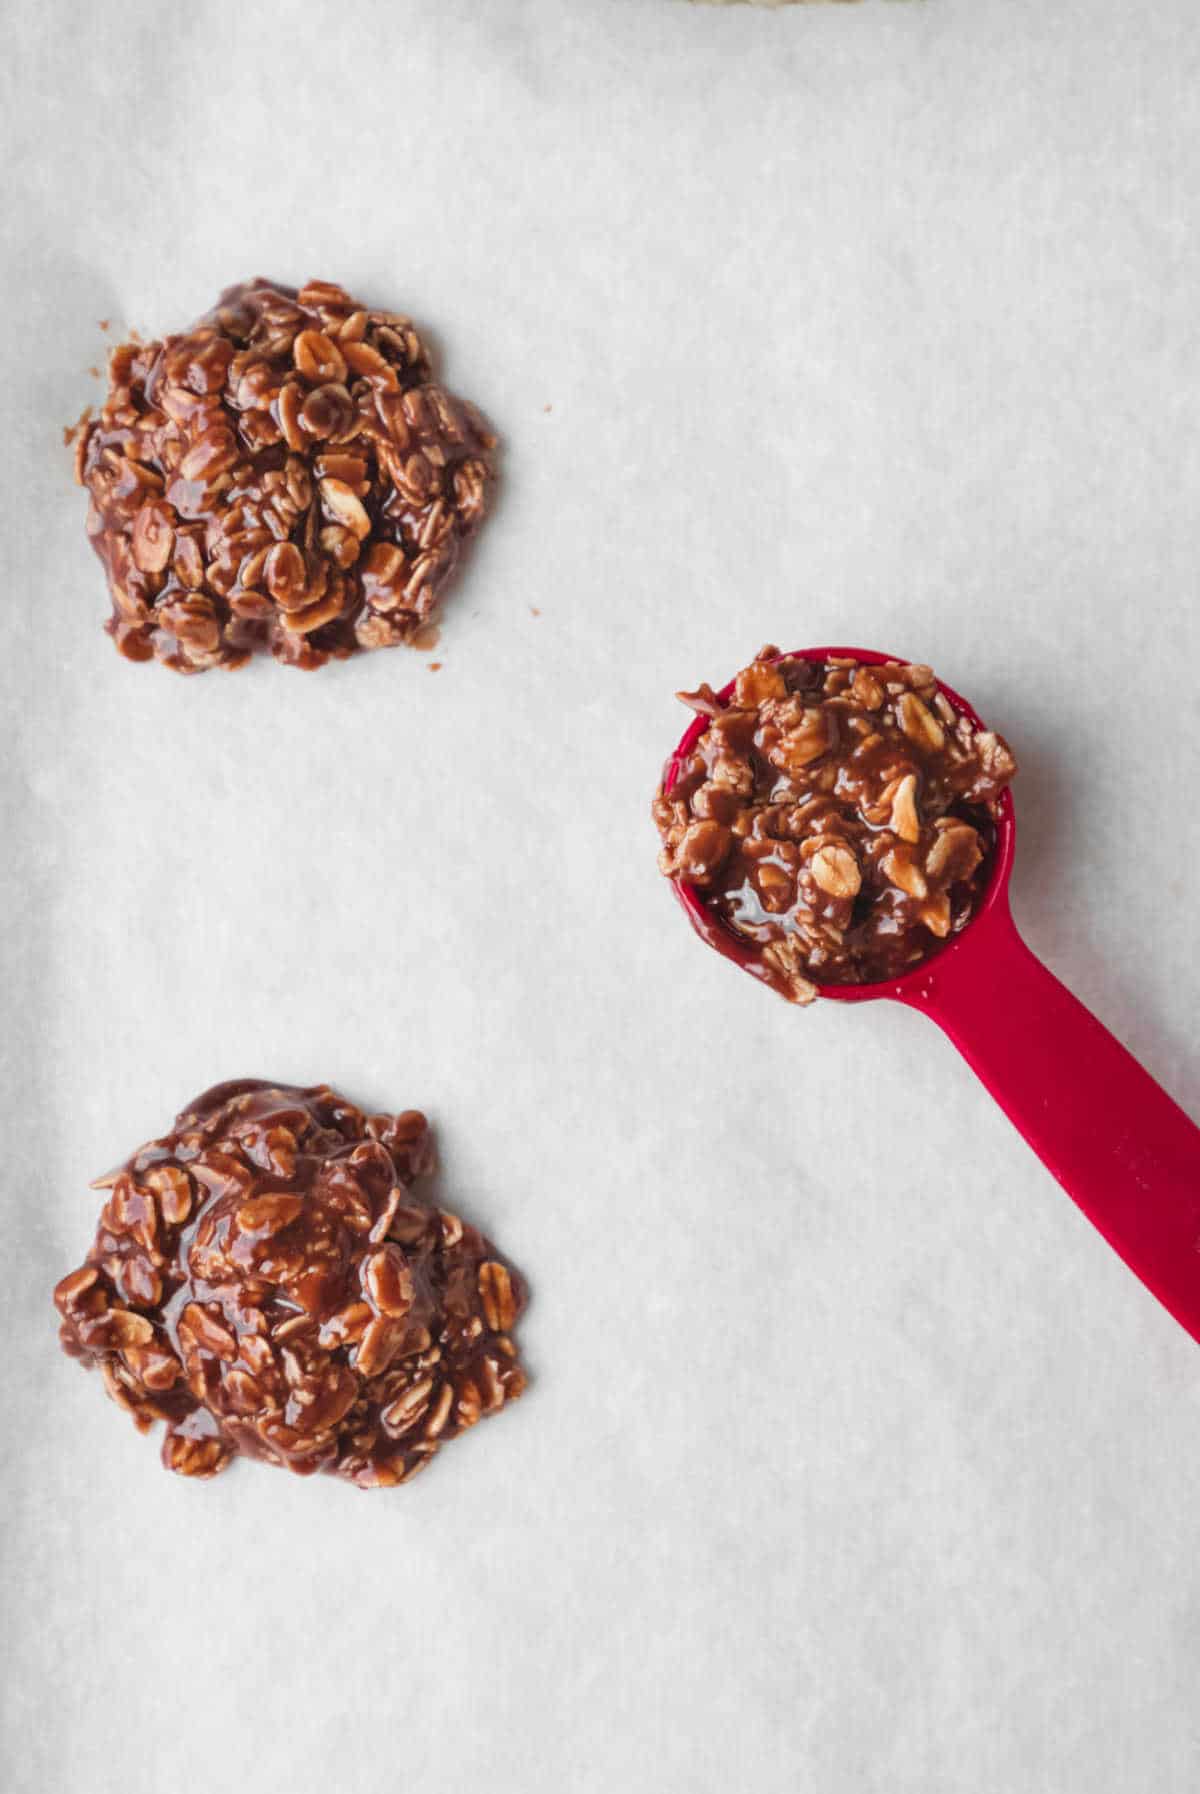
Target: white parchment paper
{"x":853,"y":1461}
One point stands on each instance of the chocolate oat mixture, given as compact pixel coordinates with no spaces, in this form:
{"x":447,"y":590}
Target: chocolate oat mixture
{"x":285,"y":476}
{"x":837,"y":815}
{"x":266,"y":1281}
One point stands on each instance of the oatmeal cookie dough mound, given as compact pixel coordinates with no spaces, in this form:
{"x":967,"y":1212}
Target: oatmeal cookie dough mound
{"x":285,"y":476}
{"x":266,"y":1281}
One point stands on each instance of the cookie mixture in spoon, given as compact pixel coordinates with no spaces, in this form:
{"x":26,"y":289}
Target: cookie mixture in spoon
{"x":836,"y":814}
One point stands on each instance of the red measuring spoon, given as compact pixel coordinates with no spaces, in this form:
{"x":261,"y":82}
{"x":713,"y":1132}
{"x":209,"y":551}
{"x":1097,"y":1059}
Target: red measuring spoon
{"x":1116,"y":1142}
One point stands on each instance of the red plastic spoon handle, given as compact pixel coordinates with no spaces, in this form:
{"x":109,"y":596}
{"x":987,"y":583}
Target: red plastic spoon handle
{"x":1114,"y":1139}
